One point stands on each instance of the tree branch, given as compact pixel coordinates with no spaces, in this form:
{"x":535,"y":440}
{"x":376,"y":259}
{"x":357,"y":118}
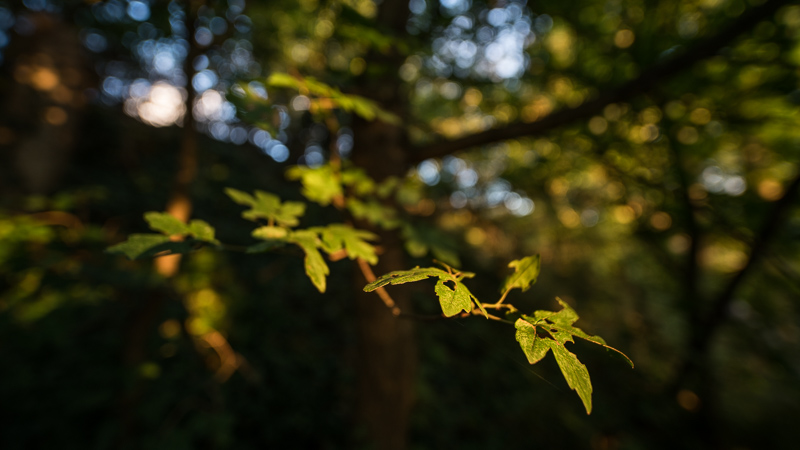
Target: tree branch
{"x":366,"y":270}
{"x":717,"y":313}
{"x":659,"y":72}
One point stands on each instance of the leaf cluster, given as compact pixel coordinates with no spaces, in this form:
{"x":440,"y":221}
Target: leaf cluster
{"x":537,"y":334}
{"x":175,"y":237}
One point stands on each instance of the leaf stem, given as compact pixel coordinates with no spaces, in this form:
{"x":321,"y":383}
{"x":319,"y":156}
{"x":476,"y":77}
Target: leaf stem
{"x":370,"y":276}
{"x":499,"y":304}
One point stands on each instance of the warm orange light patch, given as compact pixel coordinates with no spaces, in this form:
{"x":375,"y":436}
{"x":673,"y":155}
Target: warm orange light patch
{"x":624,"y":38}
{"x":169,"y":329}
{"x":688,"y":400}
{"x":624,"y":214}
{"x":43,"y":78}
{"x":661,"y":221}
{"x":770,"y":189}
{"x":569,"y":217}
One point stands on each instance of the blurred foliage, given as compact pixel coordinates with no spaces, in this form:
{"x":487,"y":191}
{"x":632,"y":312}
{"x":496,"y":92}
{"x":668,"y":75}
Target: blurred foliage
{"x":642,"y":213}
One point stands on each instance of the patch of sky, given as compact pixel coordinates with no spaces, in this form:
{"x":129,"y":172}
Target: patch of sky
{"x":138,"y":11}
{"x":428,"y":172}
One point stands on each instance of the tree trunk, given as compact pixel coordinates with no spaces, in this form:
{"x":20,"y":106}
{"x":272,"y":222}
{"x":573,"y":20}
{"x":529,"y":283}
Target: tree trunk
{"x":387,"y":354}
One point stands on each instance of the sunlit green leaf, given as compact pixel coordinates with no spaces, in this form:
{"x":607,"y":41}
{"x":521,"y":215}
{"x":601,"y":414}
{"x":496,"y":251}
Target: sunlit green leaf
{"x":138,"y":244}
{"x":242,"y":198}
{"x":268,"y":206}
{"x":575,"y":372}
{"x":526,"y":271}
{"x":165,"y":223}
{"x":406,"y":276}
{"x":336,"y":237}
{"x":320,"y":184}
{"x":555,"y":331}
{"x":385,"y":187}
{"x":534,"y":347}
{"x":202,"y":231}
{"x":453,"y":300}
{"x":373,"y":212}
{"x":357,"y":178}
{"x":270,"y":233}
{"x":361,"y":106}
{"x":315,"y":266}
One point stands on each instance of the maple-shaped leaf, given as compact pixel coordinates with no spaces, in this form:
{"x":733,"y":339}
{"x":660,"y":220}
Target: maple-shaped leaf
{"x":452,"y":299}
{"x":268,"y":206}
{"x":165,"y":223}
{"x":320,"y":184}
{"x":373,"y":212}
{"x":405,"y":276}
{"x":336,"y":237}
{"x":202,"y":231}
{"x":532,"y":345}
{"x":270,"y":233}
{"x":551,"y":330}
{"x":361,"y":106}
{"x":574,"y":371}
{"x":147,"y":245}
{"x":526,"y":272}
{"x":560,"y":323}
{"x":315,"y":266}
{"x":171,"y":226}
{"x":358,"y":179}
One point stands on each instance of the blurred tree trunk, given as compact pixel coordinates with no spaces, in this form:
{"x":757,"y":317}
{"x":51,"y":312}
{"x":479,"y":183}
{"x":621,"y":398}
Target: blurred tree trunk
{"x":42,"y":109}
{"x":387,"y":356}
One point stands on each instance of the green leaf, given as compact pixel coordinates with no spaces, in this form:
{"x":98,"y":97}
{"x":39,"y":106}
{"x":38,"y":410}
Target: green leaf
{"x":336,"y":237}
{"x":416,"y":248}
{"x":270,"y":233}
{"x":242,"y":198}
{"x":363,"y":107}
{"x":315,"y":266}
{"x":526,"y":271}
{"x":558,"y":325}
{"x":453,"y":300}
{"x":534,"y":347}
{"x":165,"y":223}
{"x":320,"y":184}
{"x":386,"y":186}
{"x":268,"y":206}
{"x":406,"y":276}
{"x":576,"y":374}
{"x":289,"y":213}
{"x":279,"y":79}
{"x":373,"y":212}
{"x":202,"y":231}
{"x":138,"y":244}
{"x":147,"y":245}
{"x":359,"y":180}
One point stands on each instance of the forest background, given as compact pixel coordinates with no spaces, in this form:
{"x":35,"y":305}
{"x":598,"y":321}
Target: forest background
{"x":647,"y":150}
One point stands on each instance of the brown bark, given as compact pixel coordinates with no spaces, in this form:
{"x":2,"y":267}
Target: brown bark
{"x":179,"y":204}
{"x":387,"y":355}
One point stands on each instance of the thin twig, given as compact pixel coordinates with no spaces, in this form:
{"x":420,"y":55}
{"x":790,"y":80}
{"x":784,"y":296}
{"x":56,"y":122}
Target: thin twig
{"x":370,"y":277}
